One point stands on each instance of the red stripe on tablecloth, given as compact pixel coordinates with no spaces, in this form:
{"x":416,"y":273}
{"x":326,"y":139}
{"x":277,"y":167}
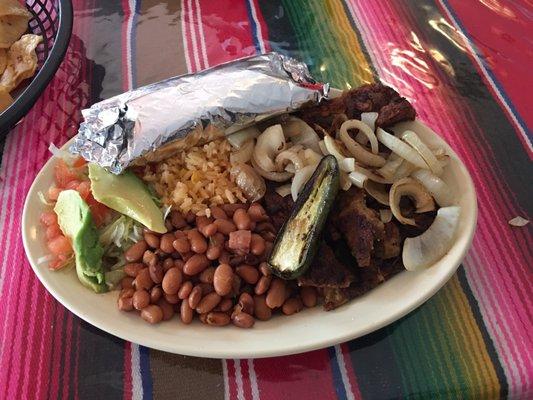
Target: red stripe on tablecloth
{"x":246,"y":382}
{"x":191,"y":48}
{"x":15,"y":278}
{"x":227,"y":31}
{"x":301,"y":376}
{"x":507,"y":28}
{"x":504,"y":271}
{"x":128,"y":384}
{"x":126,"y":53}
{"x":509,"y":249}
{"x":232,"y":384}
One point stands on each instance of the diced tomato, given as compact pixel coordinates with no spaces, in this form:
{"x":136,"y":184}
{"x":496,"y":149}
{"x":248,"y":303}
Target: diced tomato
{"x":59,"y":245}
{"x":49,"y":218}
{"x":79,"y":162}
{"x":73,"y":185}
{"x":55,"y":264}
{"x":53,"y":193}
{"x":63,"y":174}
{"x":84,"y":189}
{"x":53,"y":231}
{"x":100,"y":213}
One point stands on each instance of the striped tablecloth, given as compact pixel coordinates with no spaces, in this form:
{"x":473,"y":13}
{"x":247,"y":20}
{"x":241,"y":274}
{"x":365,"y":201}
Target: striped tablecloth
{"x":466,"y":67}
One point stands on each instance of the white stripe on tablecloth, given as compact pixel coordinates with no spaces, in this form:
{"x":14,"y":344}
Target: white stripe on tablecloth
{"x":202,"y":36}
{"x":184,"y":37}
{"x":136,"y":378}
{"x":253,"y":379}
{"x":238,"y":379}
{"x":344,"y":374}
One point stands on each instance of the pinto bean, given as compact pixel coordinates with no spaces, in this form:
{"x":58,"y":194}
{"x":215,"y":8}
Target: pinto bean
{"x":257,"y":244}
{"x":309,"y":296}
{"x":197,"y":240}
{"x":152,"y":314}
{"x":157,"y":273}
{"x":141,"y":299}
{"x":196,"y":264}
{"x":257,"y":213}
{"x":246,"y":303}
{"x":209,"y":230}
{"x":218,"y":213}
{"x":150,"y":258}
{"x":186,"y":312}
{"x":208,"y":302}
{"x":155,"y":294}
{"x":125,"y":303}
{"x":248,"y":273}
{"x":276,"y":293}
{"x":230,"y":209}
{"x":167,"y":308}
{"x":265,"y":269}
{"x":195,"y":296}
{"x":166,"y":243}
{"x":172,"y":281}
{"x":217,"y":318}
{"x":136,"y":251}
{"x":168,"y":263}
{"x":225,"y":226}
{"x":207,"y":275}
{"x":242,"y":219}
{"x":223,"y":279}
{"x":292,"y":306}
{"x":143,"y":280}
{"x":225,"y":305}
{"x":177,"y":219}
{"x":126,"y":282}
{"x":215,"y":246}
{"x":182,"y":245}
{"x":171,"y":298}
{"x":185,"y":290}
{"x":261,"y":311}
{"x":133,"y":269}
{"x":152,"y":240}
{"x":243,"y":320}
{"x":263,"y":284}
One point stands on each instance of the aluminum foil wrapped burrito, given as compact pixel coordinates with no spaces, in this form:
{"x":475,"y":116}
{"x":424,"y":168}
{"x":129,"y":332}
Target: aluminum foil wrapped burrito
{"x":154,"y":121}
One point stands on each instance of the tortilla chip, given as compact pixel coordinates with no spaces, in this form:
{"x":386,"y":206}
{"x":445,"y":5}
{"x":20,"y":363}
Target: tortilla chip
{"x":5,"y":99}
{"x":21,"y":61}
{"x":3,"y":60}
{"x":14,"y":18}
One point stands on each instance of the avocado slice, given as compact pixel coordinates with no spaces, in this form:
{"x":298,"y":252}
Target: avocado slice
{"x":128,"y":195}
{"x":76,"y":222}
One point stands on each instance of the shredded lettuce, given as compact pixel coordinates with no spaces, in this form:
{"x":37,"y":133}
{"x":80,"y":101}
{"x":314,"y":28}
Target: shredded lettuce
{"x":115,"y":238}
{"x":43,"y":200}
{"x":113,"y":278}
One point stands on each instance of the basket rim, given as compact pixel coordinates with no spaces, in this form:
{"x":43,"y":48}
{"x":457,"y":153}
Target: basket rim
{"x":25,"y":101}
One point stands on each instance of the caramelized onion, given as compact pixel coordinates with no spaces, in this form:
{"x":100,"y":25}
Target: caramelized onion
{"x":249,"y":181}
{"x":413,"y":189}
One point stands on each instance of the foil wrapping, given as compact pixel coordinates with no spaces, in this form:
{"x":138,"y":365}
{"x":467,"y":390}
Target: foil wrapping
{"x":152,"y":122}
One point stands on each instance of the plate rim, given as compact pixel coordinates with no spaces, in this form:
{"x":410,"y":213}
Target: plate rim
{"x":234,"y":352}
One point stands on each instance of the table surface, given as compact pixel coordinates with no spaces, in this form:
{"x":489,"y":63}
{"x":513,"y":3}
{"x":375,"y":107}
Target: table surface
{"x":466,"y":67}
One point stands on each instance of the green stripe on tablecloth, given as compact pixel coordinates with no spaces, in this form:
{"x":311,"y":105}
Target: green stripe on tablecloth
{"x":438,"y":350}
{"x":182,"y":377}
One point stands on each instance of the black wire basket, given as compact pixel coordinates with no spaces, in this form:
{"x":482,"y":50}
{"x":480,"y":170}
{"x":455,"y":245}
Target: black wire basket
{"x":52,"y":19}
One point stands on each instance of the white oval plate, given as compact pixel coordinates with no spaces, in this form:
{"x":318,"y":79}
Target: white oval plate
{"x":308,"y":330}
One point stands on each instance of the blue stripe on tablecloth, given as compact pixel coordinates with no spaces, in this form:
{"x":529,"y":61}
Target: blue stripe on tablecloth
{"x":146,"y":375}
{"x":336,"y":372}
